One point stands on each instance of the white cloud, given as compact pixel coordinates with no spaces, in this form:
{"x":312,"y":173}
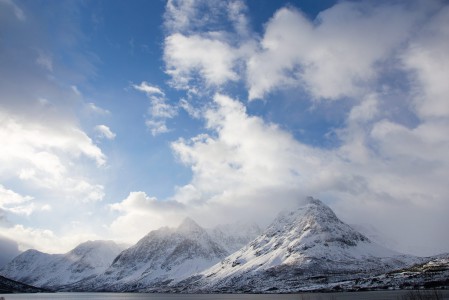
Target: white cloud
{"x":381,"y":173}
{"x":43,"y":154}
{"x":336,"y":56}
{"x":93,"y":108}
{"x":427,"y":58}
{"x":389,"y":162}
{"x":44,"y":150}
{"x":190,"y":109}
{"x":188,"y":56}
{"x":156,"y":127}
{"x":206,"y":44}
{"x":186,"y":16}
{"x":179,"y":14}
{"x":246,"y":155}
{"x":236,"y":13}
{"x":11,"y":197}
{"x":141,"y":214}
{"x":159,"y":110}
{"x":248,"y":166}
{"x":104,"y":131}
{"x":148,"y":89}
{"x":13,"y":202}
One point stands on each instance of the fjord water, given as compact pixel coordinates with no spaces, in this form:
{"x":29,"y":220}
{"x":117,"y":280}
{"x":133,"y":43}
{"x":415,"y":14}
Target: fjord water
{"x":305,"y":296}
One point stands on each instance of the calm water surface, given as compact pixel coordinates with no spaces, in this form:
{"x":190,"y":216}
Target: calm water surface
{"x":308,"y":296}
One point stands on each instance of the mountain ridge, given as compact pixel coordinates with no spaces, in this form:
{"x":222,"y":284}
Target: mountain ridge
{"x":308,"y":242}
{"x":306,"y":249}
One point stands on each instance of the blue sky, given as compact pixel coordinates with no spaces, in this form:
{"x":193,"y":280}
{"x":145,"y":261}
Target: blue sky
{"x":119,"y":117}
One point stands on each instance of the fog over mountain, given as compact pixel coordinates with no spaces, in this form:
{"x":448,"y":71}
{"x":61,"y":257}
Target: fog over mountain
{"x":8,"y":250}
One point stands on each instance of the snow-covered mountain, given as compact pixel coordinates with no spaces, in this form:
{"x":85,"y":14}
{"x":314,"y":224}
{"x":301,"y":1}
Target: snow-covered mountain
{"x":53,"y":270}
{"x":305,"y":249}
{"x":298,"y":250}
{"x":162,"y":256}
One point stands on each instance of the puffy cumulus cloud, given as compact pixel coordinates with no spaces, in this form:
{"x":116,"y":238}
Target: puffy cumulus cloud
{"x":206,"y":43}
{"x":104,"y":131}
{"x":188,"y":56}
{"x":339,"y":54}
{"x":344,"y":52}
{"x":254,"y":147}
{"x":159,"y":111}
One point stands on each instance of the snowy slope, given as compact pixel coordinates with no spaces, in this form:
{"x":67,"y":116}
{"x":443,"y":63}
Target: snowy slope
{"x":300,"y":248}
{"x":53,"y":270}
{"x":161,"y":256}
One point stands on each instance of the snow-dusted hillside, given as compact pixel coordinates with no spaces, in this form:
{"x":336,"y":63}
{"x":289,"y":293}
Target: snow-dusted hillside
{"x":299,"y":249}
{"x":53,"y":270}
{"x":160,"y":257}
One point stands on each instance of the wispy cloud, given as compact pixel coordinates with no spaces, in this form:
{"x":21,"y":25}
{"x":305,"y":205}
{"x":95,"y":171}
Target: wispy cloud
{"x":93,"y":108}
{"x":44,"y":60}
{"x":104,"y":131}
{"x":148,"y":89}
{"x":159,"y":111}
{"x":18,"y":12}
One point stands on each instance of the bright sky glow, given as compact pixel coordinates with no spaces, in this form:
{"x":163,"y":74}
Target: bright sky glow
{"x":118,"y":117}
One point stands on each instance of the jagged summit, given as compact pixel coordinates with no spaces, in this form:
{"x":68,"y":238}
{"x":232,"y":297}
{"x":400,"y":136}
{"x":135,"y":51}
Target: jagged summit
{"x":188,"y":225}
{"x":313,"y":224}
{"x":309,"y":240}
{"x":162,"y":255}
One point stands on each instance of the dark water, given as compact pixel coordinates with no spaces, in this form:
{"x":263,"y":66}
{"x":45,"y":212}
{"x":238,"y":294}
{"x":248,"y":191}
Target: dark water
{"x":308,"y":296}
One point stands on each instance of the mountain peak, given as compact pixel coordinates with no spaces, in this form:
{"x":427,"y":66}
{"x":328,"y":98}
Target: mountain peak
{"x":314,"y":201}
{"x":189,"y":225}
